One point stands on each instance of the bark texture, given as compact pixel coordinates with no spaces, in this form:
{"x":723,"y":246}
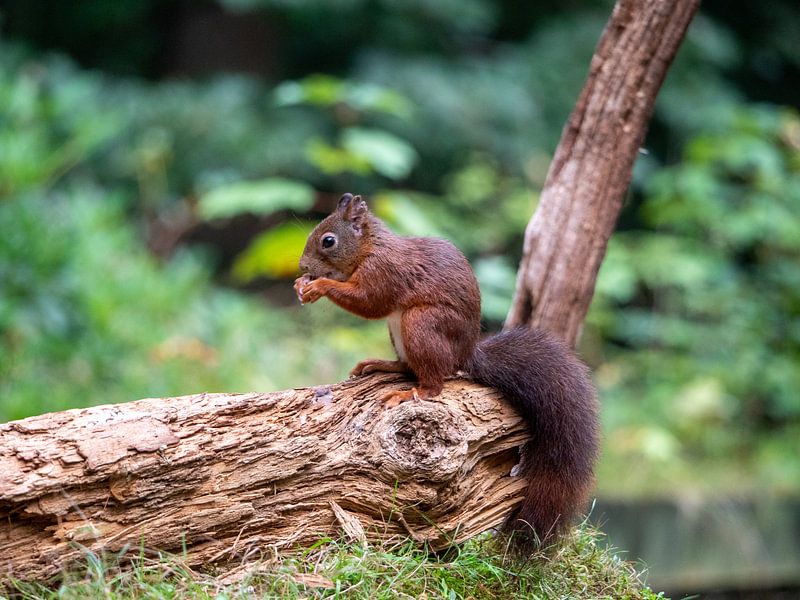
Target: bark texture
{"x":232,"y":476}
{"x":566,"y":239}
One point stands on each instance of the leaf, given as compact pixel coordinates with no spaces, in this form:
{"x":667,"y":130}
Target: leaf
{"x":328,"y":91}
{"x":406,"y":212}
{"x":318,"y":89}
{"x":333,"y":161}
{"x":274,"y":253}
{"x":260,"y":197}
{"x":389,"y":155}
{"x":362,"y":152}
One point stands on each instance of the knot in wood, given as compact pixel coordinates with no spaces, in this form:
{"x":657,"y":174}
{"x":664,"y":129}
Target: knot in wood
{"x":423,"y":440}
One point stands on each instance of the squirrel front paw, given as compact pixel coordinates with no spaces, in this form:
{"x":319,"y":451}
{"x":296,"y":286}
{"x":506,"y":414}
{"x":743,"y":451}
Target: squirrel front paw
{"x":299,"y":284}
{"x":376,"y":365}
{"x":312,"y":290}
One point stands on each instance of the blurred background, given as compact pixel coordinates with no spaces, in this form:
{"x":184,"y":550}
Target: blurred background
{"x":161,"y":163}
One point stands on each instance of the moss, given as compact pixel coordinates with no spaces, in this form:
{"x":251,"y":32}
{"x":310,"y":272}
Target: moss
{"x":581,"y":568}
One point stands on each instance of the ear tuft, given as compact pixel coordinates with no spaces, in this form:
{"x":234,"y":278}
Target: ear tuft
{"x":358,"y":204}
{"x":357,"y":212}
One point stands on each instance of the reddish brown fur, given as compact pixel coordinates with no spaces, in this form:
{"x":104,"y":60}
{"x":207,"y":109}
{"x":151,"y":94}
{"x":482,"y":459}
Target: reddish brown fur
{"x":553,"y":391}
{"x":374,"y":273}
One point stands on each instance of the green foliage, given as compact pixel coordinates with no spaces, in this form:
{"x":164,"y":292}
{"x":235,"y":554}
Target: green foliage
{"x":87,"y":316}
{"x":363,"y":152}
{"x":478,"y":569}
{"x":256,"y":197}
{"x":703,"y":311}
{"x":274,"y":253}
{"x":95,"y":313}
{"x":332,"y":92}
{"x":45,"y":132}
{"x":371,"y":154}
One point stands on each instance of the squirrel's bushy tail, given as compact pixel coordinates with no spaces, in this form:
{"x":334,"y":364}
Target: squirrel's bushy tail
{"x":552,"y":390}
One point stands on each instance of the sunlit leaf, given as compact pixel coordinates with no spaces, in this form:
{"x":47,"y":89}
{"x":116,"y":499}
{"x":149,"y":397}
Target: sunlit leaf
{"x":315,"y":89}
{"x":261,"y":197}
{"x":326,"y":91}
{"x":333,"y":161}
{"x":273,"y":254}
{"x":388,"y":154}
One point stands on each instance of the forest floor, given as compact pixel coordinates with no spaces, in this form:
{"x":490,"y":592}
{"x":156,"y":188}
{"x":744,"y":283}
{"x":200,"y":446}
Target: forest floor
{"x":480,"y":569}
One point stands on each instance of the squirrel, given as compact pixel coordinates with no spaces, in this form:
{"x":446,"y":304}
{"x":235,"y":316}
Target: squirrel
{"x":428,"y":292}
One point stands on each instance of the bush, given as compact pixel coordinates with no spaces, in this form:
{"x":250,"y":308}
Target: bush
{"x":698,"y":311}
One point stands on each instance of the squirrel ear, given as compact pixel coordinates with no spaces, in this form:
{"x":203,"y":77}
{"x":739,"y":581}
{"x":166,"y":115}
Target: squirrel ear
{"x":354,"y":210}
{"x":344,"y":202}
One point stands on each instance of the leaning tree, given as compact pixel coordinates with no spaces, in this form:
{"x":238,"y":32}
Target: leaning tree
{"x":225,"y":477}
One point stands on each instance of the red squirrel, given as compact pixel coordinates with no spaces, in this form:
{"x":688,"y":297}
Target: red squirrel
{"x":426,"y":289}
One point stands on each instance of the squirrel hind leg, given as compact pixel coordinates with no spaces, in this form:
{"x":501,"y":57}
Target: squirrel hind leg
{"x":430,"y":354}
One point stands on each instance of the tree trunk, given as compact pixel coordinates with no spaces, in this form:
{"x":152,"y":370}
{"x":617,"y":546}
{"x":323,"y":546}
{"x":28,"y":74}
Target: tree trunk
{"x":566,"y":239}
{"x":229,"y":477}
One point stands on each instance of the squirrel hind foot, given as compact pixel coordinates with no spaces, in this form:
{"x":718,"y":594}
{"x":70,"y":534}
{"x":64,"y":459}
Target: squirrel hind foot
{"x":394,"y":398}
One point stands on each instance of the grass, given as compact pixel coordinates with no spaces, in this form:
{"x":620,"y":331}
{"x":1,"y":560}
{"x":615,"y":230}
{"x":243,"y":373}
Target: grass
{"x":480,"y":570}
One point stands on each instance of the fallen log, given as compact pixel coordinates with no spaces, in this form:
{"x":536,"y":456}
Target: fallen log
{"x":227,"y":477}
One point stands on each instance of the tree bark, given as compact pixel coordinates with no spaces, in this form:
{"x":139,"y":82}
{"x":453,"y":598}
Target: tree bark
{"x":229,"y":477}
{"x":566,"y":239}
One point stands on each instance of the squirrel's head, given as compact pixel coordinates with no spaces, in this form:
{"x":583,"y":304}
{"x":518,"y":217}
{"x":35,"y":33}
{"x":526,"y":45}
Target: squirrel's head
{"x":337,"y":245}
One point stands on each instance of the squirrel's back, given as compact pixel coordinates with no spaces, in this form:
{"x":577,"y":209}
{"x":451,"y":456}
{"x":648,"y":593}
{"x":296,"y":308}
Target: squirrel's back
{"x":430,"y":275}
{"x":433,"y":271}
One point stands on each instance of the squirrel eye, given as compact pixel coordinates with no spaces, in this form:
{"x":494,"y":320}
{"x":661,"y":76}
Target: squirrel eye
{"x":328,"y":241}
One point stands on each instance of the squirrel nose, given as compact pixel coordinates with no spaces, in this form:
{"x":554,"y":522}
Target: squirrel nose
{"x":303,"y":265}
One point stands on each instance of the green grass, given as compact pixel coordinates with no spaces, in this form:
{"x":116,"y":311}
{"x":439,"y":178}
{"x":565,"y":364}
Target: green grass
{"x":481,"y":570}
